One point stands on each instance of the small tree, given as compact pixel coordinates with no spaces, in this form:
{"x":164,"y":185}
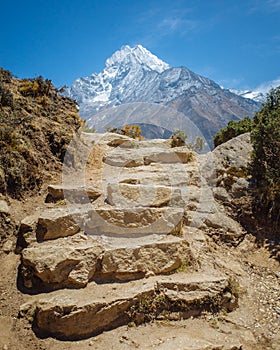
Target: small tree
{"x":199,"y":144}
{"x":178,"y":138}
{"x":265,"y":166}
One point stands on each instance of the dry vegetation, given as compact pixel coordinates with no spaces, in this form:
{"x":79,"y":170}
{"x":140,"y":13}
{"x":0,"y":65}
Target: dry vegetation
{"x":36,"y":125}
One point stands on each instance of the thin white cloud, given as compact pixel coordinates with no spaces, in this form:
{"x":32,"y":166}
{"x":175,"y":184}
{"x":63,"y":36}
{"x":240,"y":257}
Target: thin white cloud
{"x":171,"y":25}
{"x":266,"y":86}
{"x":274,"y":4}
{"x":264,"y":5}
{"x":158,"y":23}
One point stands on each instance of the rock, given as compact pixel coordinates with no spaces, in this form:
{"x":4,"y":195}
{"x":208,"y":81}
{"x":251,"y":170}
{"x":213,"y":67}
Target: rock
{"x":127,"y":195}
{"x":134,"y":221}
{"x":8,"y":246}
{"x":227,"y":229}
{"x":155,"y":143}
{"x":29,"y":223}
{"x":4,"y":207}
{"x":96,"y":308}
{"x":240,"y":187}
{"x":59,"y":222}
{"x":228,"y":162}
{"x":73,"y":194}
{"x":136,"y":262}
{"x":27,"y":232}
{"x":119,"y":141}
{"x":69,"y":262}
{"x":221,"y":194}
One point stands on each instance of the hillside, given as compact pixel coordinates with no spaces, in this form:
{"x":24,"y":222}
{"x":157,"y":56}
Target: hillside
{"x":37,"y":124}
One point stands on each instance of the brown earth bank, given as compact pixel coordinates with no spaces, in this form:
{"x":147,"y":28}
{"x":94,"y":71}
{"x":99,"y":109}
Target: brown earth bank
{"x":214,"y":286}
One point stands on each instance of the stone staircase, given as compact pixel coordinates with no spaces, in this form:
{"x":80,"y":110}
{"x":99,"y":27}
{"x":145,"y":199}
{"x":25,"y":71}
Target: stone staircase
{"x":120,"y":254}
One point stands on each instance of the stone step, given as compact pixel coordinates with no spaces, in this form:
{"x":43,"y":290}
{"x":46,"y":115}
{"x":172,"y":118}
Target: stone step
{"x":171,"y":175}
{"x":59,"y":222}
{"x":78,"y":314}
{"x":74,"y":194}
{"x":131,"y":222}
{"x":144,"y":156}
{"x":74,"y":261}
{"x":66,"y":221}
{"x":138,"y":195}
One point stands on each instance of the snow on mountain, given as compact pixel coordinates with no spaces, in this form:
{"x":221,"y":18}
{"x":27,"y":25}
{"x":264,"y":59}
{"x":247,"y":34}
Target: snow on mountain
{"x":123,"y":66}
{"x":257,"y":95}
{"x":135,"y":75}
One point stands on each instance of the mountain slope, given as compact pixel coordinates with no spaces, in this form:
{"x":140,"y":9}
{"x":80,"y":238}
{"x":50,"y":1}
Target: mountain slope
{"x":136,"y":75}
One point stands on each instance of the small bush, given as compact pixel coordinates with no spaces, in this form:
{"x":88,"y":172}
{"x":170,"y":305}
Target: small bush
{"x":36,"y":87}
{"x":6,"y":97}
{"x":178,"y":138}
{"x":133,"y":131}
{"x":232,"y":130}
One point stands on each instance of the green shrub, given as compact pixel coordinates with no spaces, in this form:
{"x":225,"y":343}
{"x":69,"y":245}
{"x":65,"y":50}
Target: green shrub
{"x":265,"y":165}
{"x":232,"y":130}
{"x":178,"y":138}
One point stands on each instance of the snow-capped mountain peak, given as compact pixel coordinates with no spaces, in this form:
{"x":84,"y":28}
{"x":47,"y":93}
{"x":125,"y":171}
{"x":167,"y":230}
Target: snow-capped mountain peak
{"x":137,"y":55}
{"x":133,"y":76}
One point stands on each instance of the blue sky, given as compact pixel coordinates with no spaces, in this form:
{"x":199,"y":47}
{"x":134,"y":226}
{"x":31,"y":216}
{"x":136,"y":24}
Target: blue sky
{"x":236,"y":43}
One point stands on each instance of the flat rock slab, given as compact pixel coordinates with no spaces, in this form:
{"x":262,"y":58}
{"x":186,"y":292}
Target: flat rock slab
{"x":71,"y":193}
{"x":129,"y":195}
{"x":134,"y":221}
{"x":143,"y":156}
{"x":78,"y":314}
